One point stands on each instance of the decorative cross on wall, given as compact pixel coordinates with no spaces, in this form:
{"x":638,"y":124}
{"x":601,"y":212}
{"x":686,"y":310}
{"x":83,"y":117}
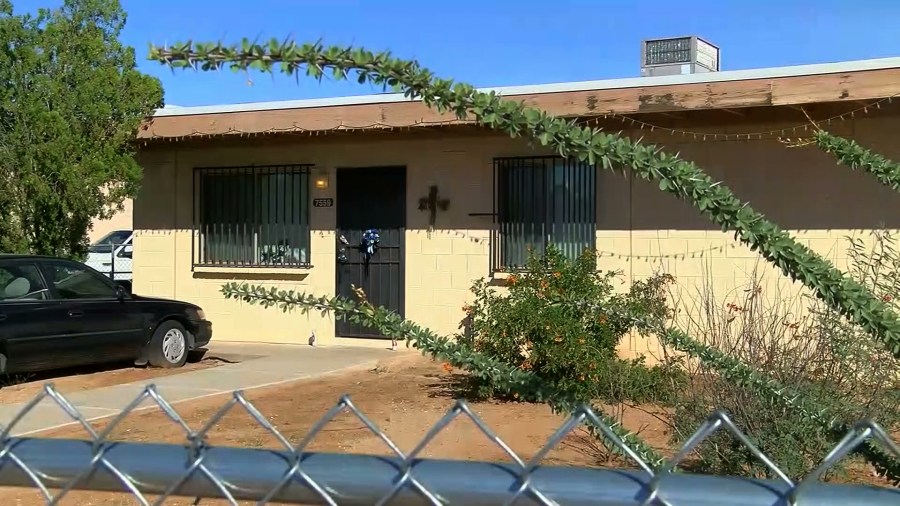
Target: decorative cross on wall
{"x":432,"y":203}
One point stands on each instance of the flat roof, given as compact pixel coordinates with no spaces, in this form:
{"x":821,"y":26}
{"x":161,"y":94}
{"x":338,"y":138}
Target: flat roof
{"x":602,"y":84}
{"x":850,"y":81}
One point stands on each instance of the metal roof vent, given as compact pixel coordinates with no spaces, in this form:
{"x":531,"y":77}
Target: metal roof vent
{"x":678,"y":55}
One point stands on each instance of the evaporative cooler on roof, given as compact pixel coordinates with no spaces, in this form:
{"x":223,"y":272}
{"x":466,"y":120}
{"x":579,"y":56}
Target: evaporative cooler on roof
{"x":678,"y":55}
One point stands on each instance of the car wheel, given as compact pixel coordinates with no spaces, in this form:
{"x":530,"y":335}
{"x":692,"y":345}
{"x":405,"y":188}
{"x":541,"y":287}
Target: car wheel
{"x":169,"y":346}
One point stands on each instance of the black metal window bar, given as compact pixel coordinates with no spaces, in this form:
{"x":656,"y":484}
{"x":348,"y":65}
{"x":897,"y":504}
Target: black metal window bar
{"x":256,"y":216}
{"x":539,"y":201}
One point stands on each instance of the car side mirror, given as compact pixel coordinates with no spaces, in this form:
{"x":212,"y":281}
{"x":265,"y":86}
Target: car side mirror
{"x":121,"y":292}
{"x":126,"y":252}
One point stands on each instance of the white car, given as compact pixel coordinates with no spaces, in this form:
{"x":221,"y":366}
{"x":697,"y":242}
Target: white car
{"x":111,"y":255}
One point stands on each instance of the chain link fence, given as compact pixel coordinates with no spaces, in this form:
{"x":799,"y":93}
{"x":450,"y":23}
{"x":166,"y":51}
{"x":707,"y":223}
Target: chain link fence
{"x":120,"y":262}
{"x":113,"y":260}
{"x":195,"y":469}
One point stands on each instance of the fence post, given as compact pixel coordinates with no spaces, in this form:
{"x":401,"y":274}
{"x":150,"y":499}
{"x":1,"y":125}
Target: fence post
{"x":112,"y":263}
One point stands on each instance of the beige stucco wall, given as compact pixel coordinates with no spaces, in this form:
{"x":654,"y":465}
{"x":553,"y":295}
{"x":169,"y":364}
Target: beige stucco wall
{"x":122,"y":220}
{"x":639,"y":228}
{"x":802,"y":189}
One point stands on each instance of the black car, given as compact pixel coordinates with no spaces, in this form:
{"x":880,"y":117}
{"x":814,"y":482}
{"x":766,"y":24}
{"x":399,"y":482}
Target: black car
{"x":58,"y":313}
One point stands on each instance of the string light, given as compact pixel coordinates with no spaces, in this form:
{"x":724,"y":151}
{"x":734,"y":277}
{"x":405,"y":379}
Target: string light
{"x":628,"y":257}
{"x":295,"y":129}
{"x":777,"y":133}
{"x":700,"y":253}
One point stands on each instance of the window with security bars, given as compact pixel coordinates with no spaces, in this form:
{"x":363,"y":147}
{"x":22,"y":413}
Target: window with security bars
{"x":541,"y":201}
{"x":252,"y":216}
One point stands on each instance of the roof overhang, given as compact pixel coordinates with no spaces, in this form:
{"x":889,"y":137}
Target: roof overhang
{"x":785,"y":86}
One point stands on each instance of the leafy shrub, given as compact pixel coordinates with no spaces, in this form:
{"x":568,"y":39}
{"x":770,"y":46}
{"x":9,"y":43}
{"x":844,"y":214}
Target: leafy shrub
{"x":861,"y":376}
{"x":635,"y":382}
{"x":794,"y":444}
{"x":834,"y":364}
{"x":563,"y":320}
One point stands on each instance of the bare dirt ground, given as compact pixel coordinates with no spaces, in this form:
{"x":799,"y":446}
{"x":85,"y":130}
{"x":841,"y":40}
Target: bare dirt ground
{"x":22,"y":388}
{"x":404,"y":396}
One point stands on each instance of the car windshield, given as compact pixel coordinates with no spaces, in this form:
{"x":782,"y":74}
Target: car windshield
{"x":109,"y":241}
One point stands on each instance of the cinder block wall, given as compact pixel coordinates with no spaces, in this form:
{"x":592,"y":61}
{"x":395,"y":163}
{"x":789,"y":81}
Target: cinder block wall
{"x":640,"y":230}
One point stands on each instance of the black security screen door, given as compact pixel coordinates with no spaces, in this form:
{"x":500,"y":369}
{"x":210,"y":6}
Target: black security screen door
{"x":371,"y":198}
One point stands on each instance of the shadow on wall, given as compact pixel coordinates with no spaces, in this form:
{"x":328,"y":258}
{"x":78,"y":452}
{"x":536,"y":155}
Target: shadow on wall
{"x":799,"y":189}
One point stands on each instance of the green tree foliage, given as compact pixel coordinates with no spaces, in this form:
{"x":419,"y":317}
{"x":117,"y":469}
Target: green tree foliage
{"x":848,"y":152}
{"x":681,"y":178}
{"x":71,"y":103}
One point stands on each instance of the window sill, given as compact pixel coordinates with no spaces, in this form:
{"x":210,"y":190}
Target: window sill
{"x":210,"y":269}
{"x":501,"y":278}
{"x":506,"y":272}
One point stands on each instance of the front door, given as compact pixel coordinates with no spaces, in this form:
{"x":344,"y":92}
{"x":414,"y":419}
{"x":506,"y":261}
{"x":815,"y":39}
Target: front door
{"x":371,"y":198}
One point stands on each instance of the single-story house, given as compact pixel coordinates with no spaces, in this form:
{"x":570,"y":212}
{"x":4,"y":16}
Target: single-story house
{"x":282,"y":193}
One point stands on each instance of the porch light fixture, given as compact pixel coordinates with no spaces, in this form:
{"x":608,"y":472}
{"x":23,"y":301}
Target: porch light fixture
{"x":320,"y":181}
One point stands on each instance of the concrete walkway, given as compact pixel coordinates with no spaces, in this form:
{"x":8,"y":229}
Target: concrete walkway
{"x":257,"y":366}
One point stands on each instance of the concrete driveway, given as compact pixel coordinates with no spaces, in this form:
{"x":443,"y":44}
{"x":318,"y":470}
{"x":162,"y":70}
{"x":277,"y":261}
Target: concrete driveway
{"x":254,"y":366}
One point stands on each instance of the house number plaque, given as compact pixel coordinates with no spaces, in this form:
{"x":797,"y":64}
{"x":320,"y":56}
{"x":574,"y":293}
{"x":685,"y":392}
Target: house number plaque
{"x":323,"y":202}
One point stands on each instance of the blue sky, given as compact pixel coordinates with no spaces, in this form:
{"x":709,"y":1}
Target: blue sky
{"x":500,"y":43}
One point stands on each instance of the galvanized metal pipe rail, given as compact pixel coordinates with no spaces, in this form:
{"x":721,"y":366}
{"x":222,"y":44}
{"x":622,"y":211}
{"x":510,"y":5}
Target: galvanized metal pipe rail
{"x":252,"y":474}
{"x":293,"y":475}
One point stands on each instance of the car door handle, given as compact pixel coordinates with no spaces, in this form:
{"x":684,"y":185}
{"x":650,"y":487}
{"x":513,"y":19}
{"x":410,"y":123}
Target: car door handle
{"x":76,"y":313}
{"x":2,"y":317}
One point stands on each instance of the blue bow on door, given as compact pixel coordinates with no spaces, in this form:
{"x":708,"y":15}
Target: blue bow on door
{"x":370,"y":241}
